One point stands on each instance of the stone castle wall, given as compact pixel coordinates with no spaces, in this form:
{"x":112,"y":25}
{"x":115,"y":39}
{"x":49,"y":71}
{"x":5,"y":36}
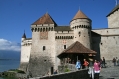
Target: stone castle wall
{"x":42,"y":53}
{"x":109,"y":47}
{"x":107,"y":31}
{"x":61,"y":45}
{"x":113,"y":19}
{"x":109,"y":43}
{"x":26,"y":55}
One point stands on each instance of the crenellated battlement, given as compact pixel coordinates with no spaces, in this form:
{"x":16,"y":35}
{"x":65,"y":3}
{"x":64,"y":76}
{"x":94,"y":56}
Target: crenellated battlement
{"x":40,"y":29}
{"x":80,"y":23}
{"x":26,"y":42}
{"x":64,"y":37}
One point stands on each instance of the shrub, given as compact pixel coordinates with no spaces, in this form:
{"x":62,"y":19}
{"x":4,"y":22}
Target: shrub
{"x":66,"y":70}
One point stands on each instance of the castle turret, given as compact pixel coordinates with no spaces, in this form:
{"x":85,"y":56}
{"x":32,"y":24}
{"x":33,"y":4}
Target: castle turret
{"x":81,"y":25}
{"x":23,"y":38}
{"x":42,"y":57}
{"x":25,"y":52}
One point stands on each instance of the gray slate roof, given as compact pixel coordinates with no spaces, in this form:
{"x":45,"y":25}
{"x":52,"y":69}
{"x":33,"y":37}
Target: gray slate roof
{"x":24,"y":35}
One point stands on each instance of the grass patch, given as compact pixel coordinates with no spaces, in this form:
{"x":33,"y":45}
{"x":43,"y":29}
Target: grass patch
{"x":16,"y":70}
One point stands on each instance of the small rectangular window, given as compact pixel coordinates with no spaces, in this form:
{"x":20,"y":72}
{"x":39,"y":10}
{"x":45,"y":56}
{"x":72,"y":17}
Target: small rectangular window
{"x":43,"y":48}
{"x":64,"y":46}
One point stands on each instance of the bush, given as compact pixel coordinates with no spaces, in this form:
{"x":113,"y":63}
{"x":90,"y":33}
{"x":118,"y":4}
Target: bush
{"x":66,"y":70}
{"x":16,"y":70}
{"x":20,"y":71}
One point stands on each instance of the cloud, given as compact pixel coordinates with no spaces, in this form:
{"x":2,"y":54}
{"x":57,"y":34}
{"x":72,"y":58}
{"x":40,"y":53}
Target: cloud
{"x":8,"y":45}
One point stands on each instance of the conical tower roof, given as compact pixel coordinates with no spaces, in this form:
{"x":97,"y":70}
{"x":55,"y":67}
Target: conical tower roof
{"x":45,"y":19}
{"x":80,"y":14}
{"x":24,"y":35}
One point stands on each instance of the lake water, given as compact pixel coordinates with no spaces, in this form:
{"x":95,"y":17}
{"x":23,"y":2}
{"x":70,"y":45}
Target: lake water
{"x":9,"y":64}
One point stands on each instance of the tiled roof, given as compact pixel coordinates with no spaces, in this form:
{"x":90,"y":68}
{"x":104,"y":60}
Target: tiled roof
{"x":116,"y":8}
{"x":45,"y":19}
{"x":80,"y":15}
{"x":77,"y":47}
{"x":62,"y":28}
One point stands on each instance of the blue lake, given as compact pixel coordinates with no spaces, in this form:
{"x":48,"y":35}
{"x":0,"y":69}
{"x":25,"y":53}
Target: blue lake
{"x":7,"y":64}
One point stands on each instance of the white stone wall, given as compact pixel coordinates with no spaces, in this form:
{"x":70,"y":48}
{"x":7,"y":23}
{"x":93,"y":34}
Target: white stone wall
{"x":25,"y":50}
{"x":61,"y":42}
{"x":109,"y":47}
{"x":113,"y":20}
{"x":60,"y":48}
{"x":109,"y":43}
{"x":25,"y":53}
{"x":84,"y":37}
{"x":37,"y":46}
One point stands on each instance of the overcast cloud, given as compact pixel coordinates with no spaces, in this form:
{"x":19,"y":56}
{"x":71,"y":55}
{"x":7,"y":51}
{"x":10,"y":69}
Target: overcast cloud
{"x":8,"y":45}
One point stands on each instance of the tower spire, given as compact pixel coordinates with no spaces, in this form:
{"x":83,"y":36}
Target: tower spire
{"x":24,"y":35}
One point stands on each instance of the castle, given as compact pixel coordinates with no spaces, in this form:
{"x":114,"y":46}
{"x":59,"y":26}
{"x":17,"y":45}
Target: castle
{"x":40,"y":53}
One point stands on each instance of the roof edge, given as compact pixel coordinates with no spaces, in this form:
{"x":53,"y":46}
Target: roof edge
{"x":113,"y":10}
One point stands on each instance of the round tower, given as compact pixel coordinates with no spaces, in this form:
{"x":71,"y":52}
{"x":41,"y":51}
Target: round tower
{"x":81,"y":25}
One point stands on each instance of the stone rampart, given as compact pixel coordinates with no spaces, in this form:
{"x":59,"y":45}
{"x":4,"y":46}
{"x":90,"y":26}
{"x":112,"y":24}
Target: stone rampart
{"x":81,"y":74}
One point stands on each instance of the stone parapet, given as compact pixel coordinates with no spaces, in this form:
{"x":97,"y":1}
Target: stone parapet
{"x":81,"y":74}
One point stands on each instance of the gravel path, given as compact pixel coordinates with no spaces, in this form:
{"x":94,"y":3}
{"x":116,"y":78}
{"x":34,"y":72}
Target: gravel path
{"x":111,"y":72}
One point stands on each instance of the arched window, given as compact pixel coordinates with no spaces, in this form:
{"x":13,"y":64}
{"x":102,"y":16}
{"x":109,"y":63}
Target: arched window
{"x":64,"y":46}
{"x":44,"y":48}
